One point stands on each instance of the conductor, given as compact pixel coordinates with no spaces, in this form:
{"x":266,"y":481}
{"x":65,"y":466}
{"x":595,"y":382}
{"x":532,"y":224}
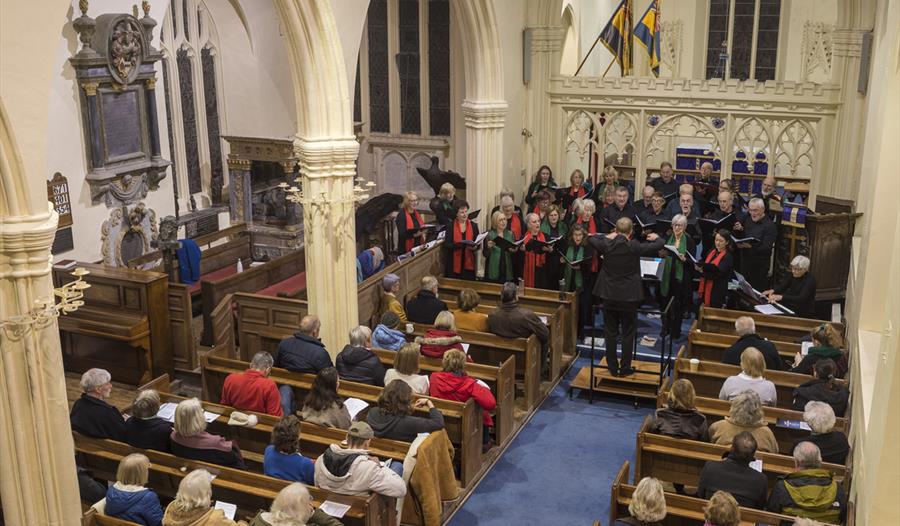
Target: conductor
{"x":620,"y":289}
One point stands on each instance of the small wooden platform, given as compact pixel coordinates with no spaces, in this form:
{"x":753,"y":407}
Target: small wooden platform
{"x":644,"y":383}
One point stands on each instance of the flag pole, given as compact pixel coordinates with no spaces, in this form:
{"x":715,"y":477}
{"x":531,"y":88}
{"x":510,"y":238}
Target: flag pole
{"x":588,"y":55}
{"x":607,"y":69}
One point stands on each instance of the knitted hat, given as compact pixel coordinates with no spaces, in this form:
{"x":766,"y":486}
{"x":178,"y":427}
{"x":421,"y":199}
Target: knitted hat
{"x":390,"y":320}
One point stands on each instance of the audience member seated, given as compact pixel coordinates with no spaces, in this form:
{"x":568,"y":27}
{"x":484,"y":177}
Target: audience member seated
{"x":128,"y":499}
{"x":833,"y":445}
{"x":293,"y":506}
{"x":454,"y":384}
{"x":89,"y":488}
{"x":827,"y":343}
{"x":192,"y":504}
{"x":322,"y":405}
{"x":393,"y":417}
{"x":406,"y":368}
{"x":369,"y":262}
{"x":425,"y":307}
{"x":796,"y":291}
{"x":440,"y":338}
{"x":734,"y":475}
{"x":353,"y":471}
{"x":511,"y":321}
{"x":144,"y":429}
{"x":467,"y":319}
{"x":722,"y":510}
{"x":390,"y":284}
{"x":647,"y":506}
{"x":746,"y":414}
{"x":753,"y":367}
{"x":387,"y":334}
{"x":252,"y":390}
{"x":356,"y":362}
{"x":282,"y":458}
{"x":822,"y":388}
{"x":745,"y":328}
{"x":810,"y":491}
{"x":189,"y":438}
{"x":91,"y":414}
{"x":680,"y":418}
{"x":305,"y":352}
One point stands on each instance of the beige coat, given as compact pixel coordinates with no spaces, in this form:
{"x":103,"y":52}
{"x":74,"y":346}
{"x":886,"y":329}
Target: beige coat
{"x":724,"y":431}
{"x":198,"y":517}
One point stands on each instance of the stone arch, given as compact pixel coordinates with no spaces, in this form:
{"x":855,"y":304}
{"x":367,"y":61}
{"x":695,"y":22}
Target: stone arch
{"x":481,"y":49}
{"x":13,"y":184}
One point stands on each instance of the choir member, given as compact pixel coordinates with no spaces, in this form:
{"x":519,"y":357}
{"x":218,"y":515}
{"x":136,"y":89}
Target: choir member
{"x":706,"y":170}
{"x":756,"y":257}
{"x":716,"y":271}
{"x":656,"y":210}
{"x":678,"y":273}
{"x":514,"y":221}
{"x":498,"y":264}
{"x":542,"y":204}
{"x":646,"y":201}
{"x":585,"y":215}
{"x":408,"y":220}
{"x":608,"y":197}
{"x":535,"y":253}
{"x":665,"y":183}
{"x":578,"y":276}
{"x":543,"y":180}
{"x":460,"y":257}
{"x":444,"y":205}
{"x":687,"y":208}
{"x":620,"y":208}
{"x":553,"y":228}
{"x":611,"y":180}
{"x":727,"y":206}
{"x":674,"y":206}
{"x":577,"y":190}
{"x":796,"y":291}
{"x":504,"y":193}
{"x":770,"y":193}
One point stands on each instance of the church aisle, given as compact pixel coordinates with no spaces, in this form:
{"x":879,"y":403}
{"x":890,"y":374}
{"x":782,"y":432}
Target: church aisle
{"x":560,"y":467}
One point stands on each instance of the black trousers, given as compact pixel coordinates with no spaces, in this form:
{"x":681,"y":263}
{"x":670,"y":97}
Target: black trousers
{"x":619,"y":319}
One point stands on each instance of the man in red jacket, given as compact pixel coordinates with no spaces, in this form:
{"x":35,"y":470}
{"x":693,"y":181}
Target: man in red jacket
{"x":454,"y":384}
{"x":252,"y":390}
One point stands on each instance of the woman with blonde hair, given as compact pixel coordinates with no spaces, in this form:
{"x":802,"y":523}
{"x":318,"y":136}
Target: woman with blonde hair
{"x":192,"y":504}
{"x":440,"y":338}
{"x":578,"y":188}
{"x":498,"y":261}
{"x":585,"y":214}
{"x":293,"y":507}
{"x":406,"y":368}
{"x":454,"y":384}
{"x":648,"y":505}
{"x":128,"y":499}
{"x":722,"y":510}
{"x":189,"y":438}
{"x":408,"y":222}
{"x":827,"y":343}
{"x":753,"y":367}
{"x":444,"y":204}
{"x":746,"y":414}
{"x":680,"y":418}
{"x":467,"y":318}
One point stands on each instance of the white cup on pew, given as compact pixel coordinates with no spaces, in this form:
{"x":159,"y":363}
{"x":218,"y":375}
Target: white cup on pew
{"x":695,"y":364}
{"x":410,"y":328}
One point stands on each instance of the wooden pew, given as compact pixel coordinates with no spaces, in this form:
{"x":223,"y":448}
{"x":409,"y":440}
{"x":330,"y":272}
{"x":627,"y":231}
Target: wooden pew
{"x":121,"y":327}
{"x":250,"y":492}
{"x":250,"y":280}
{"x":426,"y":262}
{"x":711,"y":346}
{"x":218,"y":250}
{"x":681,"y":510}
{"x":93,"y":518}
{"x":486,"y":348}
{"x":680,"y":461}
{"x":778,"y":328}
{"x":709,"y":377}
{"x":716,"y":410}
{"x":462,"y":420}
{"x":500,"y":379}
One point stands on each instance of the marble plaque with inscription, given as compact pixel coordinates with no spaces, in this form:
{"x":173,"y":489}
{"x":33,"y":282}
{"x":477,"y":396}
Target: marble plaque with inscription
{"x":122,"y":124}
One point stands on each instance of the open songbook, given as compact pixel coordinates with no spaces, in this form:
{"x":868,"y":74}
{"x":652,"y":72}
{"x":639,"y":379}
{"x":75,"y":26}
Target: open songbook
{"x":575,"y":263}
{"x":504,"y":243}
{"x":751,"y":240}
{"x":537,"y":244}
{"x":478,"y":240}
{"x":687,"y":253}
{"x":708,"y":226}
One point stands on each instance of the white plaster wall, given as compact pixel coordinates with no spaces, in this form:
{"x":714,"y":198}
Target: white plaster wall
{"x":795,"y":14}
{"x":511,"y":19}
{"x":350,"y":17}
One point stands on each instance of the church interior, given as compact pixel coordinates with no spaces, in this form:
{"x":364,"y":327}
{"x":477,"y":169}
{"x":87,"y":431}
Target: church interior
{"x":199,"y":199}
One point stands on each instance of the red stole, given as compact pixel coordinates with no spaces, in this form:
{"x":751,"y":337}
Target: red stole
{"x":533,"y":260}
{"x":706,"y":284}
{"x":411,"y":241}
{"x":462,"y":257}
{"x":592,"y":229}
{"x":515,"y":226}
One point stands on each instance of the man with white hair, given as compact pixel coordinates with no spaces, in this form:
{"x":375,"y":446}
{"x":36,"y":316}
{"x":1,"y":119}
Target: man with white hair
{"x":253,"y":390}
{"x":646,"y":201}
{"x":706,"y":170}
{"x":810,"y":491}
{"x":356,"y":362}
{"x":745,"y":328}
{"x":756,"y":257}
{"x":832,"y":444}
{"x":91,"y":414}
{"x":425,"y":307}
{"x":797,"y":291}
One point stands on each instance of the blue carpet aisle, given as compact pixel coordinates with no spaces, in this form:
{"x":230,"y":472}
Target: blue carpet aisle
{"x":559,"y":469}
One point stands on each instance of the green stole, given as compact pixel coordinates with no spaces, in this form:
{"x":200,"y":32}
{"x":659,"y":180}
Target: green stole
{"x":670,"y":260}
{"x":493,"y":270}
{"x":574,"y":253}
{"x":561,"y":227}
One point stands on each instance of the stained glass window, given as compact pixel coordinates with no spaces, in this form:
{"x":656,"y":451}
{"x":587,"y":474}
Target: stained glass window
{"x":168,"y":97}
{"x":379,"y":90}
{"x":408,"y":68}
{"x":735,"y":21}
{"x":189,"y":118}
{"x":210,"y":94}
{"x":439,"y":66}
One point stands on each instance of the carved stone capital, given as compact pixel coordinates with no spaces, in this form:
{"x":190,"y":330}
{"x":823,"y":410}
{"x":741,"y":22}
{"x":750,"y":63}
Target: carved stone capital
{"x":90,"y":88}
{"x":333,"y":157}
{"x":484,"y":114}
{"x":847,"y":42}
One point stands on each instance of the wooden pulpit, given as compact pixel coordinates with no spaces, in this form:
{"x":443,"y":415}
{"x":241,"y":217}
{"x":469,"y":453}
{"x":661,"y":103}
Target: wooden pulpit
{"x":829,"y":240}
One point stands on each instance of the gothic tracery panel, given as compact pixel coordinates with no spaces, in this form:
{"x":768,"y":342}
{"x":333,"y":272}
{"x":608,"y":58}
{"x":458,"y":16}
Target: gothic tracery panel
{"x":795,"y":150}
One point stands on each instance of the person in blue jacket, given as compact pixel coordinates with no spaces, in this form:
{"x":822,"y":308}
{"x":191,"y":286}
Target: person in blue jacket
{"x":386,"y":334}
{"x":370,"y":260}
{"x":128,"y":499}
{"x":282,"y":458}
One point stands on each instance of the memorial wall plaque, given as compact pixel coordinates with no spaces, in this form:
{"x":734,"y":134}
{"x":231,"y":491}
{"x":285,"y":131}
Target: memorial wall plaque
{"x":122,"y":124}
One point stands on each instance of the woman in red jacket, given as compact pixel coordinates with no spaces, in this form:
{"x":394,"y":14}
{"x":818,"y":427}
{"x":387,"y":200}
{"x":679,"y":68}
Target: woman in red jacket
{"x":441,"y":338}
{"x":454,"y":384}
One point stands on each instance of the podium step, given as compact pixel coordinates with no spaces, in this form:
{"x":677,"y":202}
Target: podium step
{"x":643,"y":383}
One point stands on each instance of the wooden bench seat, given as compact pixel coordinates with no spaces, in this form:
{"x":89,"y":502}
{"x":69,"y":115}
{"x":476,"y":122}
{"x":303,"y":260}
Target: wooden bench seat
{"x":93,"y":518}
{"x":250,"y":492}
{"x":680,"y":461}
{"x":681,"y":510}
{"x":215,"y":275}
{"x":711,"y":346}
{"x":462,"y":421}
{"x":776,"y":328}
{"x":292,"y":287}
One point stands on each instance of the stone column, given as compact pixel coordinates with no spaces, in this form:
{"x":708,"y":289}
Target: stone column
{"x":37,"y":482}
{"x":484,"y":154}
{"x":328,"y":167}
{"x":546,"y":53}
